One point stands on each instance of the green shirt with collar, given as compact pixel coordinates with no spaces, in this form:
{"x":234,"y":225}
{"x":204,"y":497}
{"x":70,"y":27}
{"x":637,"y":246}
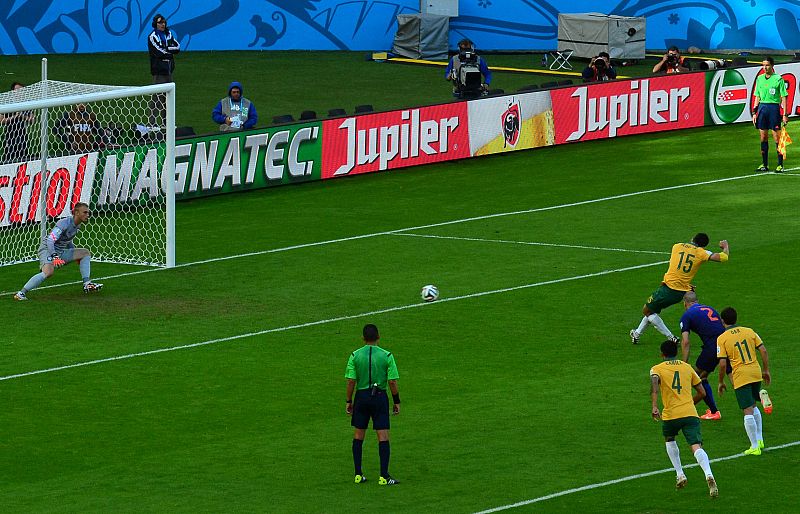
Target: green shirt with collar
{"x":383,"y":367}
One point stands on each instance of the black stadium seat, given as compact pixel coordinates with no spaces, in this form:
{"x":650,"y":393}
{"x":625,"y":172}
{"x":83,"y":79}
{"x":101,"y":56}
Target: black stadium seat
{"x":282,"y":118}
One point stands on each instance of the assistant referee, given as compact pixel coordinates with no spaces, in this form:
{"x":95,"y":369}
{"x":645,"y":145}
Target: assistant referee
{"x":769,"y":110}
{"x":370,"y":369}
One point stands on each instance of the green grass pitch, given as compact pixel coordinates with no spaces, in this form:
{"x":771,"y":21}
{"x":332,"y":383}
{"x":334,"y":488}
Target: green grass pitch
{"x":527,"y":391}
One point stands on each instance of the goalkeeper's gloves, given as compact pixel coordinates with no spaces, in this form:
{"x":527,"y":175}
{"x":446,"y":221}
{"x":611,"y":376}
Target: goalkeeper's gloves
{"x":56,"y":260}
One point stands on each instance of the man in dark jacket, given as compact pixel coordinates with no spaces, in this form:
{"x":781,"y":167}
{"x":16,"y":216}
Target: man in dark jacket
{"x":162,"y":46}
{"x":235,"y":112}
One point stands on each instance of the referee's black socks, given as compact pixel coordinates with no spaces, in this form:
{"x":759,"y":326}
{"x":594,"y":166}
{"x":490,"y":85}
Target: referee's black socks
{"x":383,"y":452}
{"x":764,"y":152}
{"x":358,"y":444}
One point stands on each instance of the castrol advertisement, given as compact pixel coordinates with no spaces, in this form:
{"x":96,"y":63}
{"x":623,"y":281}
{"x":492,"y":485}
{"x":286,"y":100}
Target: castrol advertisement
{"x":70,"y":181}
{"x":396,"y":139}
{"x":605,"y":110}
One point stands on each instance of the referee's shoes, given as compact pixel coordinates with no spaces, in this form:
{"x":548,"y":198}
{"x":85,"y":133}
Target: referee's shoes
{"x":387,"y":481}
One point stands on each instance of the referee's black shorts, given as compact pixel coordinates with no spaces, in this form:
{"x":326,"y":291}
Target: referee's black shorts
{"x":366,"y":407}
{"x":769,"y":117}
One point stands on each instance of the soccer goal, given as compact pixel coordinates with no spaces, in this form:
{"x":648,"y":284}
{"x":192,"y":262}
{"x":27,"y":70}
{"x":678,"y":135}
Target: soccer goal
{"x":111,"y":147}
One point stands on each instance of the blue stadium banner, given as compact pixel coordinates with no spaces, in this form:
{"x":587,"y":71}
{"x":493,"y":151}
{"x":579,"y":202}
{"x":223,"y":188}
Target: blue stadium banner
{"x":82,"y":26}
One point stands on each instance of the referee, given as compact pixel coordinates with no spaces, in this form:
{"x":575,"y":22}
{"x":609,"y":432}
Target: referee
{"x":369,"y":370}
{"x":770,"y":101}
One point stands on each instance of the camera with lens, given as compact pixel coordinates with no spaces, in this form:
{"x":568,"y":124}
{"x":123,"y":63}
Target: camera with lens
{"x":467,"y":77}
{"x":600,"y":63}
{"x":672,"y":60}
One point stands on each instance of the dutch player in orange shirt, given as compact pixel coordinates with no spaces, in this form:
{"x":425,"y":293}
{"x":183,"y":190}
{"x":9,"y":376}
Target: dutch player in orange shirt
{"x":685,"y":260}
{"x":675,"y":380}
{"x":739,"y":344}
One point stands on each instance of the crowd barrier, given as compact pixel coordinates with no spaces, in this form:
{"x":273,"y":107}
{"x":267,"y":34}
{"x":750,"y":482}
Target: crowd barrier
{"x":390,"y":141}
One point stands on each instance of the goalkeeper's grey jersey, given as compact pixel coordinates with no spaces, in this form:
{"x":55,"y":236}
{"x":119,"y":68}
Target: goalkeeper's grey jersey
{"x":61,"y":237}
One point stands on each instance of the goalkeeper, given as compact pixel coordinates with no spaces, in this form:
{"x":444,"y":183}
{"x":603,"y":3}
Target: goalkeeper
{"x":57,"y":250}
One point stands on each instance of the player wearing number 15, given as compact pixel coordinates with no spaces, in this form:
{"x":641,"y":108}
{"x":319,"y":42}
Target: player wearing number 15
{"x":684,"y":261}
{"x":675,"y":380}
{"x":739,"y":344}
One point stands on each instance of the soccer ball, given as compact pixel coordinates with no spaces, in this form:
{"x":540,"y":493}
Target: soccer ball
{"x":429,"y":293}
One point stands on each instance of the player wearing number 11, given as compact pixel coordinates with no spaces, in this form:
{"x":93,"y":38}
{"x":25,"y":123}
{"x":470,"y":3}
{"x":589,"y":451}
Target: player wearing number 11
{"x":685,"y":260}
{"x":739,"y":344}
{"x":675,"y":380}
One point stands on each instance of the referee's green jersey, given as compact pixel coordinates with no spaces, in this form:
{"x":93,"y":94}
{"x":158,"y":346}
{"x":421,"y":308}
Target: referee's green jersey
{"x":383,"y":367}
{"x":770,"y":90}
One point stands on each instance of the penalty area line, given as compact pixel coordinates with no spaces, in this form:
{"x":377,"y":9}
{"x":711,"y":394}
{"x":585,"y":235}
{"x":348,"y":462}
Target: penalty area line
{"x":326,"y":321}
{"x":407,"y":229}
{"x":620,"y":480}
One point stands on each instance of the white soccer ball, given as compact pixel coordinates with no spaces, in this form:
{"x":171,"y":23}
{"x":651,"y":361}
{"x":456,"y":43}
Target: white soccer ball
{"x":429,"y":293}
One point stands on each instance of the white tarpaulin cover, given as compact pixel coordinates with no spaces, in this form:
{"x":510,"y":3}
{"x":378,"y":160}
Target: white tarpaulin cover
{"x":591,"y":33}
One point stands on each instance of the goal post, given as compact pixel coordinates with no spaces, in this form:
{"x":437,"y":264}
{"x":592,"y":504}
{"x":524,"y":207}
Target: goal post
{"x":111,"y":147}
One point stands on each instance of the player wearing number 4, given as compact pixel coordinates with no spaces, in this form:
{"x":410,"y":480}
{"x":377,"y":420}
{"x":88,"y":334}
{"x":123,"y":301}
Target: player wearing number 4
{"x":675,"y":380}
{"x":685,"y":260}
{"x":57,"y":250}
{"x":739,"y":345}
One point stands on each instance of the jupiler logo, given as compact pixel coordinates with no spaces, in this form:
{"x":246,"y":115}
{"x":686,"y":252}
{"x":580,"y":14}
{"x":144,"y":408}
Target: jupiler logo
{"x":728,"y":96}
{"x":640,"y":106}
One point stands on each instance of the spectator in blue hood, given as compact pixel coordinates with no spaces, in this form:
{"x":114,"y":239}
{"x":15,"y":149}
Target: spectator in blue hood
{"x":235,"y":112}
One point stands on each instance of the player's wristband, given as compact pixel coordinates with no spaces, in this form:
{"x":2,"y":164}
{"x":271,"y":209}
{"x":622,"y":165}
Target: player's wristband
{"x":348,"y":401}
{"x":396,"y":398}
{"x":723,"y":257}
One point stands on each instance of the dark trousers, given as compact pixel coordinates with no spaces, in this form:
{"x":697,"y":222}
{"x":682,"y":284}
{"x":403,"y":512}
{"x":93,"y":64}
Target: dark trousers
{"x":158,"y":103}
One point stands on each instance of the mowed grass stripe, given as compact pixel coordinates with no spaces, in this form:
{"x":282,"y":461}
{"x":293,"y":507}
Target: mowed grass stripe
{"x":407,"y":229}
{"x":326,"y":321}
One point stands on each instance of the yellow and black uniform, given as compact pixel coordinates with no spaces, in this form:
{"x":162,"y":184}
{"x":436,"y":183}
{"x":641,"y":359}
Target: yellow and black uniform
{"x":684,"y":261}
{"x":739,"y":345}
{"x":371,"y":367}
{"x":677,"y":380}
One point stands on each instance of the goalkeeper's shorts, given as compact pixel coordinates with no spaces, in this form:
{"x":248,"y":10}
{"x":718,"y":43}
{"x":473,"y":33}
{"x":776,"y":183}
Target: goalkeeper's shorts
{"x":44,"y":256}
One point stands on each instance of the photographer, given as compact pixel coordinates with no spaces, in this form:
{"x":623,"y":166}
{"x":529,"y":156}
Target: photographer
{"x":672,"y":62}
{"x":599,"y":69}
{"x":468,"y":71}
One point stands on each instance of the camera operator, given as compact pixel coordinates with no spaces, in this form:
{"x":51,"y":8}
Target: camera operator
{"x":599,"y":69}
{"x":672,"y":62}
{"x":468,"y":72}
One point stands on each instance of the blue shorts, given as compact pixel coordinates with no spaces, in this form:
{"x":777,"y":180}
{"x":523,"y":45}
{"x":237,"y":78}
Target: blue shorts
{"x":707,"y":360}
{"x":367,"y":406}
{"x":769,"y":117}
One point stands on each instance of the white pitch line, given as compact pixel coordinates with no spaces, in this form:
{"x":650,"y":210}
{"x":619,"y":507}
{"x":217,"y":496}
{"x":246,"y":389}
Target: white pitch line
{"x":619,"y":480}
{"x":418,"y":227}
{"x":557,"y":245}
{"x":329,"y":320}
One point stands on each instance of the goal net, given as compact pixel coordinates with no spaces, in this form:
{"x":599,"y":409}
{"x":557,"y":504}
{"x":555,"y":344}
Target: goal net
{"x":111,"y":147}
